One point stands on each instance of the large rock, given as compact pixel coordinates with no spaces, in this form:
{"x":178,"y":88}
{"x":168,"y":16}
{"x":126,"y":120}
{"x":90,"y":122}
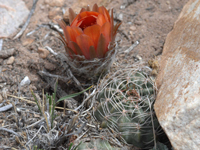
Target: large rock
{"x":13,"y":13}
{"x":178,"y":101}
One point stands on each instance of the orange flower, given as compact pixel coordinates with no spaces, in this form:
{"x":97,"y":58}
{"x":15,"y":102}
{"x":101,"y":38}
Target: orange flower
{"x":89,"y":33}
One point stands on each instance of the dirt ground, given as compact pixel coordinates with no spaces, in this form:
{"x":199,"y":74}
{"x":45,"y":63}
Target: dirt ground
{"x":145,"y":21}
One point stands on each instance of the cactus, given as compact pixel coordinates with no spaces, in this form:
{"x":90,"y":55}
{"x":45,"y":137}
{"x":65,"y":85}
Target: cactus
{"x":96,"y":144}
{"x":126,"y":107}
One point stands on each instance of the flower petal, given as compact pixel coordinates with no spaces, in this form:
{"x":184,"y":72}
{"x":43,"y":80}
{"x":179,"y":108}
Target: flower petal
{"x":88,"y":13}
{"x":92,"y":52}
{"x":102,"y":10}
{"x":112,"y":24}
{"x":106,"y":31}
{"x":69,"y":51}
{"x":74,"y":46}
{"x":86,"y":22}
{"x":87,"y":8}
{"x":84,"y":42}
{"x":82,"y":16}
{"x":95,"y":7}
{"x":101,"y":48}
{"x":93,"y":32}
{"x":82,"y":10}
{"x":72,"y":15}
{"x":72,"y":33}
{"x":115,"y":30}
{"x":101,"y":20}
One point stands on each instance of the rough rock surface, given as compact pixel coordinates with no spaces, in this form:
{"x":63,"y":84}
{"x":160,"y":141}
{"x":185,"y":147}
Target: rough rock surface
{"x":178,"y":100}
{"x":13,"y":13}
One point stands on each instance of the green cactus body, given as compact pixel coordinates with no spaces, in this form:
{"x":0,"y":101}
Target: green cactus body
{"x":126,"y":106}
{"x":97,"y":144}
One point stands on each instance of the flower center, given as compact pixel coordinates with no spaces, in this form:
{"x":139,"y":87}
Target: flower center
{"x":87,"y":21}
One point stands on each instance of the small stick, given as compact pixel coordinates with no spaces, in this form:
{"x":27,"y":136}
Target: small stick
{"x":1,"y":44}
{"x":27,"y":21}
{"x":54,"y":76}
{"x":131,"y":47}
{"x":94,"y":91}
{"x":5,"y":108}
{"x":32,"y":125}
{"x":10,"y":131}
{"x":35,"y":135}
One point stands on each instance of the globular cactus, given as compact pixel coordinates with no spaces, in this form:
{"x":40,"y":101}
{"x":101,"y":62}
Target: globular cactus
{"x":126,"y":107}
{"x":96,"y":144}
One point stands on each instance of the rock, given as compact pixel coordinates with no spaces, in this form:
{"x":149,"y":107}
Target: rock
{"x":7,"y":53}
{"x":13,"y":13}
{"x":178,"y":100}
{"x":10,"y":60}
{"x":25,"y":81}
{"x":58,"y":3}
{"x":49,"y":66}
{"x":133,"y":28}
{"x":27,"y":42}
{"x":43,"y":53}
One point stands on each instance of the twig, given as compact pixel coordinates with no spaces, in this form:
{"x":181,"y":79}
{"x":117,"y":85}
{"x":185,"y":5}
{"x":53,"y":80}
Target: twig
{"x":1,"y":44}
{"x":54,"y":76}
{"x":5,"y":108}
{"x":27,"y":21}
{"x":32,"y":125}
{"x":10,"y":131}
{"x":77,"y":82}
{"x":50,"y":50}
{"x":94,"y":91}
{"x":35,"y":135}
{"x":131,"y":47}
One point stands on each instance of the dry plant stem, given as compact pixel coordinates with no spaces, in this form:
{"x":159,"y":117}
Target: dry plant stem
{"x":32,"y":125}
{"x":62,"y":58}
{"x":131,"y":47}
{"x":60,"y":93}
{"x":1,"y":44}
{"x":55,"y":27}
{"x":5,"y":108}
{"x":10,"y":131}
{"x":54,"y":76}
{"x":5,"y":147}
{"x":2,"y":103}
{"x":27,"y":21}
{"x":82,"y":104}
{"x":35,"y":135}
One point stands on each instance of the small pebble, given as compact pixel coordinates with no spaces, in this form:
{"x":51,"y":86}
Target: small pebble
{"x":49,"y":66}
{"x":25,"y":81}
{"x":43,"y":53}
{"x":10,"y":60}
{"x":133,"y":28}
{"x":7,"y":53}
{"x":120,"y":17}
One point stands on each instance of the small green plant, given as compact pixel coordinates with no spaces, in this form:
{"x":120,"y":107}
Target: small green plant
{"x":75,"y":148}
{"x":51,"y":104}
